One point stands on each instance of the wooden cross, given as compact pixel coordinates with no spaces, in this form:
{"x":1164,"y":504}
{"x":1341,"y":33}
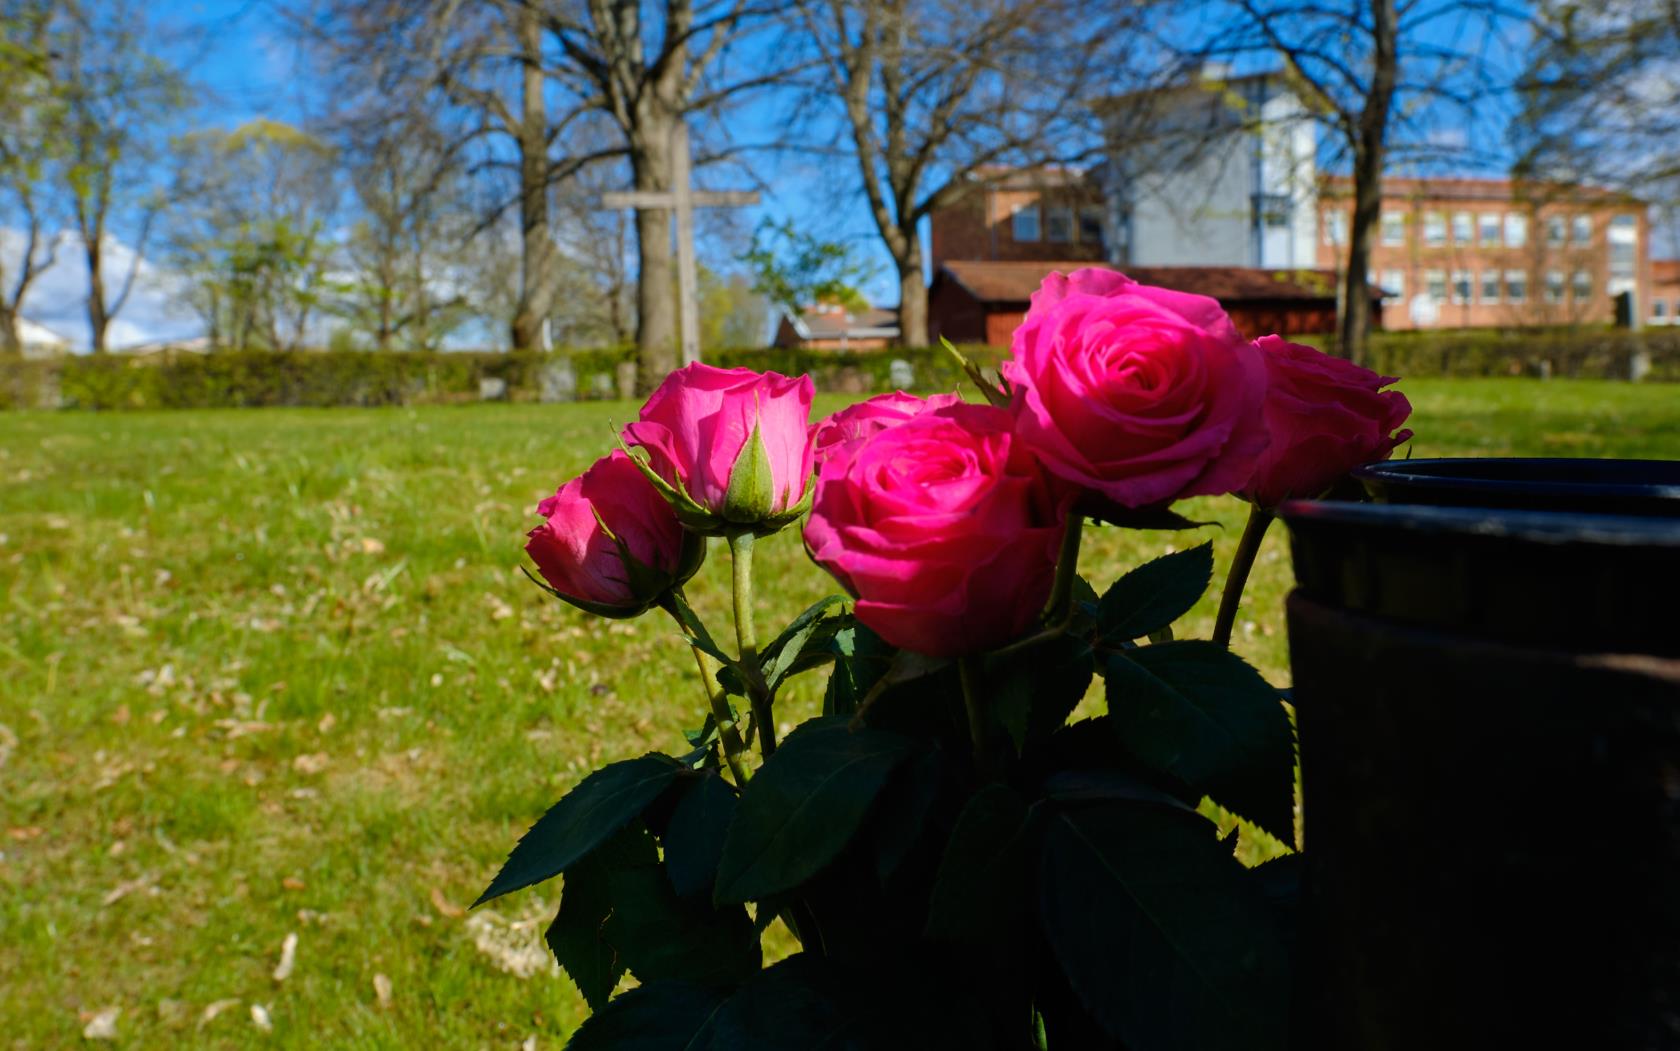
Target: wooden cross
{"x":683,"y":200}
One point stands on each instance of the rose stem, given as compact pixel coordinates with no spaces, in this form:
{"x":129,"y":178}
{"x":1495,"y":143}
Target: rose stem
{"x":1235,"y":580}
{"x":728,"y":735}
{"x":1067,"y":570}
{"x":967,"y":672}
{"x":740,"y":556}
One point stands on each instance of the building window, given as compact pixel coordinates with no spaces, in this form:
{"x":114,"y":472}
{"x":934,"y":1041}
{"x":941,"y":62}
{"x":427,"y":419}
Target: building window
{"x":1490,"y":286}
{"x":1058,"y":224}
{"x":1434,"y":229}
{"x":1556,"y":230}
{"x":1335,"y":228}
{"x":1023,"y":225}
{"x":1275,"y":209}
{"x":1554,"y":286}
{"x":1461,"y":286}
{"x":1464,"y":228}
{"x":1091,"y":225}
{"x":1435,"y":284}
{"x":1394,"y":284}
{"x":1582,"y":286}
{"x":1624,"y":246}
{"x":1516,"y":286}
{"x":1393,"y":228}
{"x":1516,"y":230}
{"x":1580,"y":228}
{"x":1659,"y":310}
{"x":1488,"y":224}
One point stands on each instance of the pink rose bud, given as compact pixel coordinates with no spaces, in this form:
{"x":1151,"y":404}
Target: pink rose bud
{"x":944,"y":528}
{"x":609,"y":543}
{"x":1138,"y":393}
{"x":1326,"y":417}
{"x":729,"y":448}
{"x":851,"y":425}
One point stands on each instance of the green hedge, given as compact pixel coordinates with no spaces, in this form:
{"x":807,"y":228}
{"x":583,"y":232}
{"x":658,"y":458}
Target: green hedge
{"x":182,"y":380}
{"x":1581,"y":353}
{"x":322,"y":378}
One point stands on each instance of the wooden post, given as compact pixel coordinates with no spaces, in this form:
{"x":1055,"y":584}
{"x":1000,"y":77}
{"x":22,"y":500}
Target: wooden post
{"x":688,"y":272}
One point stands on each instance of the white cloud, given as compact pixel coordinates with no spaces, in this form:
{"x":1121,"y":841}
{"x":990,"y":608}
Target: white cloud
{"x":58,"y":297}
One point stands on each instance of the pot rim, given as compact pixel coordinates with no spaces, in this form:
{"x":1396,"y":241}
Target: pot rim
{"x":1406,"y":472}
{"x":1538,"y":527}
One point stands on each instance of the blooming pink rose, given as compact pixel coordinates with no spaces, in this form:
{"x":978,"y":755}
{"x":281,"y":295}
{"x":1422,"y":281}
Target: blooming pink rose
{"x":1326,"y":417}
{"x":859,"y":421}
{"x":1139,"y":393}
{"x":697,"y":429}
{"x":944,"y":528}
{"x":609,"y":543}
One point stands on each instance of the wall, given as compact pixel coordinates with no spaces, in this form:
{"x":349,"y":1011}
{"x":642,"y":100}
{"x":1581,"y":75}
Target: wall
{"x":981,"y":225}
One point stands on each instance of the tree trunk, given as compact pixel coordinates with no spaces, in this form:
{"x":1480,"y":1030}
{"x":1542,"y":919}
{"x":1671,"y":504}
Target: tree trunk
{"x":912,"y":297}
{"x":536,"y":269}
{"x":98,"y":319}
{"x":1369,"y":152}
{"x":11,"y":344}
{"x":656,"y":293}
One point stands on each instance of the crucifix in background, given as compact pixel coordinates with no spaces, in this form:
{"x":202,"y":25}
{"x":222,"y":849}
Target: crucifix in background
{"x":683,"y":200}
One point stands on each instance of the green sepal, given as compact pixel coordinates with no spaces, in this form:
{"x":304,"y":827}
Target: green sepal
{"x":752,"y":491}
{"x":997,"y":394}
{"x":690,"y":513}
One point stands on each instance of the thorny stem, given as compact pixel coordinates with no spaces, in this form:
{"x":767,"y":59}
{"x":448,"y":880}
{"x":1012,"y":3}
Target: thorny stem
{"x":968,"y":671}
{"x":746,"y":636}
{"x":1067,"y":570}
{"x":1241,"y":563}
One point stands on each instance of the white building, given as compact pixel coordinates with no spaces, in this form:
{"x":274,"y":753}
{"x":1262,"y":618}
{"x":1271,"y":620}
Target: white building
{"x":1217,"y":172}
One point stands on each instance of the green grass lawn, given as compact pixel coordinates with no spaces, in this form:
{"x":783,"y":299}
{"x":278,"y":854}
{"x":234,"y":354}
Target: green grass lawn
{"x":276,"y":672}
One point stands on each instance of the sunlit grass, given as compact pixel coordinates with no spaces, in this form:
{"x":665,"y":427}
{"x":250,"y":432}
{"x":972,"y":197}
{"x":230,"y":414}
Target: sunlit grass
{"x":274,"y":672}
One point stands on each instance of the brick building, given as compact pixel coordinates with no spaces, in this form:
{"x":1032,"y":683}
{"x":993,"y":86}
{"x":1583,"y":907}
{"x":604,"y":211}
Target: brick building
{"x":830,"y":326}
{"x":1022,"y":215}
{"x":1455,"y":253}
{"x":982,"y":301}
{"x":1664,"y":308}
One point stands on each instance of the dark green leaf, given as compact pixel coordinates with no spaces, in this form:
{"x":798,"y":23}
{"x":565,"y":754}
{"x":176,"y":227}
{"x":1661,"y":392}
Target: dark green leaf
{"x":1094,"y":505}
{"x":861,"y":657}
{"x":575,"y":937}
{"x":1196,"y":711}
{"x":660,"y":1016}
{"x":694,"y":839}
{"x":983,"y":877}
{"x":785,"y":648}
{"x":1033,"y":690}
{"x":660,"y":936}
{"x":1159,"y":930}
{"x":1155,"y":594}
{"x":1106,"y":785}
{"x":803,"y":806}
{"x":694,"y":631}
{"x":600,"y":805}
{"x":901,"y":823}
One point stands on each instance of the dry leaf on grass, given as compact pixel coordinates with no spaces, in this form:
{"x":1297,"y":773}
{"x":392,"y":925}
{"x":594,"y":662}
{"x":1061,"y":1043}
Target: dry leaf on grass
{"x":103,"y":1025}
{"x":288,"y":958}
{"x":445,"y":906}
{"x":260,"y":1019}
{"x":382,"y":990}
{"x":216,"y":1008}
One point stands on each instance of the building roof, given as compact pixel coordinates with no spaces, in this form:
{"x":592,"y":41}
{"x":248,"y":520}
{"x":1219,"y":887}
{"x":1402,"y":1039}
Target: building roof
{"x":1665,"y":271}
{"x":1011,"y":282}
{"x":828,"y":323}
{"x":1460,"y":188}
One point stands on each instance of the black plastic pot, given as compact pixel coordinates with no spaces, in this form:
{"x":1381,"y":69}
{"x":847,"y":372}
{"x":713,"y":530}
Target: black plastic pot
{"x":1489,"y":716}
{"x":1611,"y":487}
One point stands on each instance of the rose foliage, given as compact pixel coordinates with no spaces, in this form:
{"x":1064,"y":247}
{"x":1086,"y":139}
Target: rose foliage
{"x":961,"y":862}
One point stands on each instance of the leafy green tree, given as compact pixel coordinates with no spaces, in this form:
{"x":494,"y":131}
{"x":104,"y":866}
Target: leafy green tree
{"x":117,"y":97}
{"x":794,"y":269}
{"x":249,"y":231}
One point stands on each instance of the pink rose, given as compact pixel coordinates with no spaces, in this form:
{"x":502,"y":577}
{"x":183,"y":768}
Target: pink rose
{"x":1138,"y":393}
{"x":859,"y":421}
{"x":1326,"y":417}
{"x":698,"y":429}
{"x":944,"y":528}
{"x":609,"y":543}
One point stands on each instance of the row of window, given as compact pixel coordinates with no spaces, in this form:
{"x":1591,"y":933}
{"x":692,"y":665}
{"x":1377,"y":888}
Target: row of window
{"x":1055,"y":223}
{"x":1494,"y":286}
{"x":1493,"y":230}
{"x":1659,"y":310}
